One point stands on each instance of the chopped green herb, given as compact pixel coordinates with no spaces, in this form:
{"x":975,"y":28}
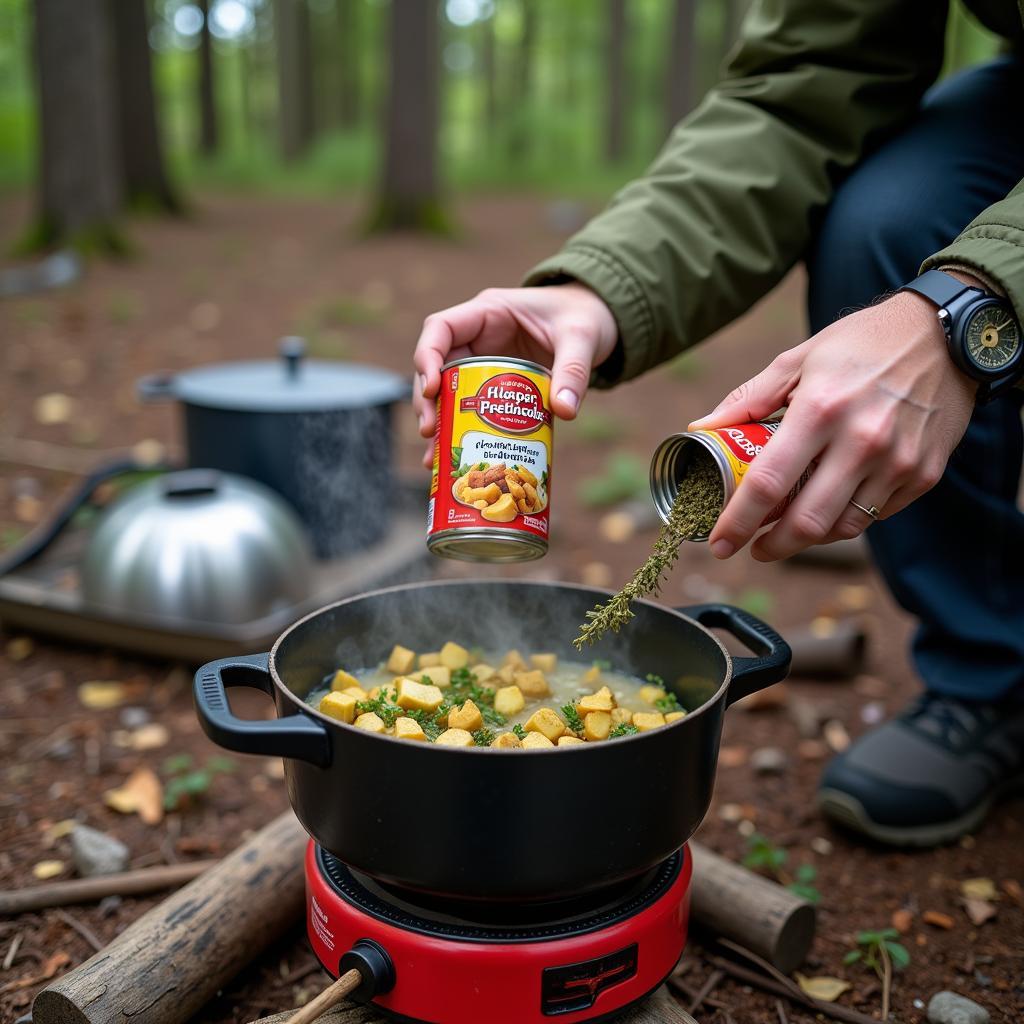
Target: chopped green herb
{"x":383,"y":706}
{"x":572,"y":717}
{"x":428,"y":722}
{"x":669,"y":703}
{"x":519,"y":731}
{"x":654,"y":680}
{"x":622,"y":729}
{"x":483,"y":737}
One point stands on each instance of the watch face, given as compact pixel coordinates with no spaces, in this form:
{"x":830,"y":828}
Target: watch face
{"x":992,"y":338}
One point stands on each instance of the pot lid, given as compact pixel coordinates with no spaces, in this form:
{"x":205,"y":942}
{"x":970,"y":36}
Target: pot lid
{"x":292,"y":383}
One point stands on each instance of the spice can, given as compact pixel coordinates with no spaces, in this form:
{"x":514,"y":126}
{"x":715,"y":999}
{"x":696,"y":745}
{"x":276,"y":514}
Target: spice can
{"x":732,"y":449}
{"x":490,"y":492}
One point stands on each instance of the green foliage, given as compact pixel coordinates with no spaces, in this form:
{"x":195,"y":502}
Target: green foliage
{"x":483,"y":737}
{"x":384,"y":706}
{"x":763,"y":855}
{"x":519,"y":731}
{"x":572,"y":717}
{"x":668,"y":704}
{"x":622,"y":729}
{"x":186,"y":783}
{"x":625,"y":476}
{"x":870,"y":947}
{"x":803,"y":883}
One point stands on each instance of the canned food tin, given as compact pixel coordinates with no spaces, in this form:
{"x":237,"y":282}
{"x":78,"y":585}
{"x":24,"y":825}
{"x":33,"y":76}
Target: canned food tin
{"x":732,"y":449}
{"x":491,"y":488}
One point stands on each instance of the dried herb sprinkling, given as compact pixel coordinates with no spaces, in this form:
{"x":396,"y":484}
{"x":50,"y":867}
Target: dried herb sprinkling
{"x":693,"y":514}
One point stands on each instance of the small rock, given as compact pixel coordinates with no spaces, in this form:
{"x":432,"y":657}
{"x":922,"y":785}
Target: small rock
{"x":62,"y":750}
{"x":746,"y":828}
{"x":807,"y":717}
{"x":950,"y":1008}
{"x":731,"y":813}
{"x":732,"y":757}
{"x":918,"y":1004}
{"x":836,"y":735}
{"x":134,"y":717}
{"x":982,"y":979}
{"x":96,"y":853}
{"x":769,"y":761}
{"x":872,"y":712}
{"x":821,"y":846}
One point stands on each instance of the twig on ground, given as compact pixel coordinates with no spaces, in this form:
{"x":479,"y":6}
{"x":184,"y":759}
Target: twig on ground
{"x":689,"y":992}
{"x":705,"y":990}
{"x":886,"y":980}
{"x":781,"y":1011}
{"x":302,"y":972}
{"x":833,"y":1010}
{"x":82,"y":929}
{"x":12,"y":950}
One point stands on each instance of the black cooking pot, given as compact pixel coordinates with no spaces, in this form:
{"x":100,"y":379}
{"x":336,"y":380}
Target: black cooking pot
{"x":482,"y":823}
{"x":318,"y":433}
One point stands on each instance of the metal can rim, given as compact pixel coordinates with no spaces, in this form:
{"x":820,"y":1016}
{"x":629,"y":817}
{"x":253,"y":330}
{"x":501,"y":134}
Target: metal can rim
{"x":522,"y":547}
{"x":663,"y":477}
{"x":510,"y":361}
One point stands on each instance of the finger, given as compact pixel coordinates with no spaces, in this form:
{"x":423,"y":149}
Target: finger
{"x":921,"y":483}
{"x":570,"y":373}
{"x":442,"y":332}
{"x":758,"y":397}
{"x":771,"y":476}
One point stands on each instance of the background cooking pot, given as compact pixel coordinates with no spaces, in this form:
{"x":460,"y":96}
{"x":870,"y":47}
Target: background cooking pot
{"x":318,"y":433}
{"x":489,"y":824}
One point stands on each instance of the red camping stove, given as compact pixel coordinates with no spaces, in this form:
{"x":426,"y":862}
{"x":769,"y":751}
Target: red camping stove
{"x":431,"y":960}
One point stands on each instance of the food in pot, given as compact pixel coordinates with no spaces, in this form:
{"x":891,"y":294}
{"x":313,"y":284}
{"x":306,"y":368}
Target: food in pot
{"x":464,"y":697}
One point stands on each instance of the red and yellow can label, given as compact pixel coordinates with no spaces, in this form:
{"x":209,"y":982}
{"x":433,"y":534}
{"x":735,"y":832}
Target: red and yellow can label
{"x":492,"y":448}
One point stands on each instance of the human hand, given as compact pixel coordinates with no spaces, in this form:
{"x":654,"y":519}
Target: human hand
{"x":874,"y":400}
{"x":567,"y":327}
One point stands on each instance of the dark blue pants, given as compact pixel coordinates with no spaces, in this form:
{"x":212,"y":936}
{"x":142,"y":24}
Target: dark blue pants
{"x":955,"y":557}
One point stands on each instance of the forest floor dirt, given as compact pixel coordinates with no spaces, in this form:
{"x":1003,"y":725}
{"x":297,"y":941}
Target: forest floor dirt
{"x":225,"y":284}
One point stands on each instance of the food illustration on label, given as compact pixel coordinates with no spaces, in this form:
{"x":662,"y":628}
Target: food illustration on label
{"x":500,"y":492}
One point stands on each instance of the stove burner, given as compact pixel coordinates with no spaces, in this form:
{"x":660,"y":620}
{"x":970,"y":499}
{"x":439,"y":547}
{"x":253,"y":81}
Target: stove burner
{"x":473,"y":921}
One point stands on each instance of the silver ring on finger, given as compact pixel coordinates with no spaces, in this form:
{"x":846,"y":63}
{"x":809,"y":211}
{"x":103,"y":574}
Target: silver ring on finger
{"x":872,"y":511}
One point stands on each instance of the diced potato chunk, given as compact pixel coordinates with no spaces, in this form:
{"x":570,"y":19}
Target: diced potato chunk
{"x":547,"y":722}
{"x":592,"y":675}
{"x":343,"y":679}
{"x":515,"y":659}
{"x":454,"y":738}
{"x":674,"y":716}
{"x":371,"y":722}
{"x":429,"y":660}
{"x":453,"y":656}
{"x":621,"y":716}
{"x":413,"y":695}
{"x":509,"y":700}
{"x":600,"y":701}
{"x":507,"y":740}
{"x":483,"y":672}
{"x":533,"y":684}
{"x":467,"y":717}
{"x":401,"y":660}
{"x":569,"y":741}
{"x":356,"y":691}
{"x":507,"y":674}
{"x":545,"y":662}
{"x":651,"y":693}
{"x":439,"y":675}
{"x":645,"y":721}
{"x":536,"y":741}
{"x":409,"y":729}
{"x":374,"y":693}
{"x":597,"y":725}
{"x":341,"y":706}
{"x":502,"y":511}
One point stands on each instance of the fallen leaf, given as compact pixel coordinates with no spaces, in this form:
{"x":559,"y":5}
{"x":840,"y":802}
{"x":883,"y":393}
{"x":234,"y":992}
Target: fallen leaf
{"x":58,"y":830}
{"x":19,"y":648}
{"x":979,"y":889}
{"x":617,"y":527}
{"x":150,"y":737}
{"x":732,"y":757}
{"x":902,"y":920}
{"x":141,"y":794}
{"x":100,"y":696}
{"x":823,"y":987}
{"x":51,"y":965}
{"x":47,"y":869}
{"x":53,"y":408}
{"x":1013,"y":889}
{"x":836,"y":735}
{"x":937,"y":919}
{"x":979,"y":911}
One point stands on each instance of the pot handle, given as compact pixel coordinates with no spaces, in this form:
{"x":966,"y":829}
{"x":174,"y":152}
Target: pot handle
{"x":749,"y":674}
{"x":297,"y":736}
{"x":156,"y":387}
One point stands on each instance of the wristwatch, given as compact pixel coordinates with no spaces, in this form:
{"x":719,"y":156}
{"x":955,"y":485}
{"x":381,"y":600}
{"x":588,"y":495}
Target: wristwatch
{"x":983,"y":334}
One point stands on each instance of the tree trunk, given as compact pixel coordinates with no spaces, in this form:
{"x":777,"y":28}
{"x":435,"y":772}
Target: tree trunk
{"x":615,"y":139}
{"x":409,"y":191}
{"x":208,"y":134}
{"x":146,"y":184}
{"x":349,"y":83}
{"x":80,"y":185}
{"x":489,"y":73}
{"x":681,"y":61}
{"x":294,"y":77}
{"x":522,"y":86}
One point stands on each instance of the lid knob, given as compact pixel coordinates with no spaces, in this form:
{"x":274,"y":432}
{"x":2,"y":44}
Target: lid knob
{"x":292,"y":350}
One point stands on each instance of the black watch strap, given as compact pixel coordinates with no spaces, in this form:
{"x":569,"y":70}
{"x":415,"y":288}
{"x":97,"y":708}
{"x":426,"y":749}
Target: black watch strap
{"x":938,"y":287}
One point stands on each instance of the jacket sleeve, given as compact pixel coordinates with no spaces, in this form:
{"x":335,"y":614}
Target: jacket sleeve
{"x":993,"y":245}
{"x":728,"y":206}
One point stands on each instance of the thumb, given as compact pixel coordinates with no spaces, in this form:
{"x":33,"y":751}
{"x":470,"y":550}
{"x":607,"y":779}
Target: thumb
{"x":756,"y":398}
{"x":570,"y":373}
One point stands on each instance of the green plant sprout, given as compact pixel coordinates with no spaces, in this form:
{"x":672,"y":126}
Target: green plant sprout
{"x":763,"y":855}
{"x":880,"y":951}
{"x":186,"y":783}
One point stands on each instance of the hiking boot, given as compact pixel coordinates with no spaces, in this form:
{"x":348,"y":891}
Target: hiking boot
{"x":931,"y":774}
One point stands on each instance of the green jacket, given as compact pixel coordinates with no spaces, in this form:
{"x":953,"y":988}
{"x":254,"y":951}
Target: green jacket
{"x":726,"y":209}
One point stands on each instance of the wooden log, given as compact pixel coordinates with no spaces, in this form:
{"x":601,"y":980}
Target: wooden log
{"x":89,"y":890}
{"x":839,"y":653}
{"x":166,"y":965}
{"x":661,"y":1008}
{"x":729,"y":901}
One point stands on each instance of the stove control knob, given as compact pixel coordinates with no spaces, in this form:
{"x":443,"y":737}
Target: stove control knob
{"x":373,"y":963}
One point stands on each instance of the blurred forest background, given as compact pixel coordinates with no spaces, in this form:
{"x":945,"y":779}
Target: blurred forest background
{"x":108,"y":104}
